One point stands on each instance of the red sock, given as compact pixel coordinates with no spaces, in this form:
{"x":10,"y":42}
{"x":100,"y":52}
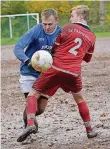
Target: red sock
{"x":31,"y":107}
{"x":84,"y":113}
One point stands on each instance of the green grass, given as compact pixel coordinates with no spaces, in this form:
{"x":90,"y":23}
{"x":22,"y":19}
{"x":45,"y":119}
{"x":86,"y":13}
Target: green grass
{"x":102,"y":34}
{"x":8,"y":41}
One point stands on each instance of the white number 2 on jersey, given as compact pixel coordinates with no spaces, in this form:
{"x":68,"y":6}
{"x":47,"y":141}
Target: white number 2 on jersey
{"x":73,"y":50}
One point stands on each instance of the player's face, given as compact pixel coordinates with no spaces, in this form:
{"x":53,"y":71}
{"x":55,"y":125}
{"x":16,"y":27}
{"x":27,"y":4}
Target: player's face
{"x":49,"y":24}
{"x":74,"y":17}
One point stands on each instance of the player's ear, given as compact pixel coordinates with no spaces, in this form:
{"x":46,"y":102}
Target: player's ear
{"x":57,"y":20}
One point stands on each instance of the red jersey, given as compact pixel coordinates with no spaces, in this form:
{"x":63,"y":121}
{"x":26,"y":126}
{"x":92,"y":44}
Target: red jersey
{"x":73,"y":45}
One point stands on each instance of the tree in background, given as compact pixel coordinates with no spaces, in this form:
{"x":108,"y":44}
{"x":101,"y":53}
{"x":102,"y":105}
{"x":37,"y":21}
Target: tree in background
{"x":99,"y":10}
{"x":102,"y":12}
{"x":13,"y":7}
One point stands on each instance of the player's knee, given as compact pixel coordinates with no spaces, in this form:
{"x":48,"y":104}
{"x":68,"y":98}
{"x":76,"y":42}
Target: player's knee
{"x":78,"y":97}
{"x":34,"y":93}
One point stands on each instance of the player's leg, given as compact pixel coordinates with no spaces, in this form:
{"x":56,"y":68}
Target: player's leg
{"x":83,"y":107}
{"x":45,"y":84}
{"x":24,"y":113}
{"x":76,"y":88}
{"x":26,"y":83}
{"x":31,"y":109}
{"x":26,"y":94}
{"x":42,"y":103}
{"x":84,"y":113}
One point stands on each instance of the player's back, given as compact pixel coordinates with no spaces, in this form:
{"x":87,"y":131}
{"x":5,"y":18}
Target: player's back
{"x":74,"y":42}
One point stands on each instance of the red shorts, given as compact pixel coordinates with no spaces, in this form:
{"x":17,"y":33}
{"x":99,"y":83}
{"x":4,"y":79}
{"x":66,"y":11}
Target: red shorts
{"x":49,"y":81}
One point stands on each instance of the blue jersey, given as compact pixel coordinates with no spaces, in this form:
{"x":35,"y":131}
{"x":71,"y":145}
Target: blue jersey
{"x":33,"y":40}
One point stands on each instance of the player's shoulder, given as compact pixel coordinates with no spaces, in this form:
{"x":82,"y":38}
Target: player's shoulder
{"x":67,"y":27}
{"x":38,"y":26}
{"x":84,"y":29}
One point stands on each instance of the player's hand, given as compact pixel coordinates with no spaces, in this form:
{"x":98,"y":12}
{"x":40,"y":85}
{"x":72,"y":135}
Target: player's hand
{"x":28,"y":62}
{"x":51,"y":51}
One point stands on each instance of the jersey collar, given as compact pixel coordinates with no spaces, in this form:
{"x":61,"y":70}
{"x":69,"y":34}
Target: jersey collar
{"x":83,"y":25}
{"x":52,"y":32}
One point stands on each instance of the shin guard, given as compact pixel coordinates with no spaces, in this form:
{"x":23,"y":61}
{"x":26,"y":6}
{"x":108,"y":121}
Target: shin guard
{"x":31,"y":108}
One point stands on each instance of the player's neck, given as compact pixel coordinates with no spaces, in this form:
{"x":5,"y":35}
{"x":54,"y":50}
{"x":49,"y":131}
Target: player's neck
{"x":83,"y":22}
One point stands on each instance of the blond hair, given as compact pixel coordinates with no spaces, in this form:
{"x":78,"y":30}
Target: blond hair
{"x":82,"y":10}
{"x":48,"y":12}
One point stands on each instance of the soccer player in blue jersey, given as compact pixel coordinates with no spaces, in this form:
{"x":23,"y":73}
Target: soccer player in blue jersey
{"x":41,"y":36}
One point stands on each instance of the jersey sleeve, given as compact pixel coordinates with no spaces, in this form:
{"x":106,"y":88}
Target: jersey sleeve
{"x":88,"y":55}
{"x":24,"y":41}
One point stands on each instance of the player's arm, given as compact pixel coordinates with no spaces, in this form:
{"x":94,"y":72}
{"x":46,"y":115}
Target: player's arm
{"x":23,"y":42}
{"x":89,"y":54}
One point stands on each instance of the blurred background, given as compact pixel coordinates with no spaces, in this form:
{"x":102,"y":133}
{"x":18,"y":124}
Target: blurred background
{"x":99,"y":20}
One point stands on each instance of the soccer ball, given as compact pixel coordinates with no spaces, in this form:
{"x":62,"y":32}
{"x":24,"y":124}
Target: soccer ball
{"x":41,"y":60}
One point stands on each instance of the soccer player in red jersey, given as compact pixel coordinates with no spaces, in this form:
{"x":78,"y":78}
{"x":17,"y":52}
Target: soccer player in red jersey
{"x":74,"y":45}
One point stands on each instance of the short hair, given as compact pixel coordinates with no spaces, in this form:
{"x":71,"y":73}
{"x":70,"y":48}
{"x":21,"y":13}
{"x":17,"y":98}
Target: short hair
{"x":48,"y":12}
{"x":83,"y":10}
